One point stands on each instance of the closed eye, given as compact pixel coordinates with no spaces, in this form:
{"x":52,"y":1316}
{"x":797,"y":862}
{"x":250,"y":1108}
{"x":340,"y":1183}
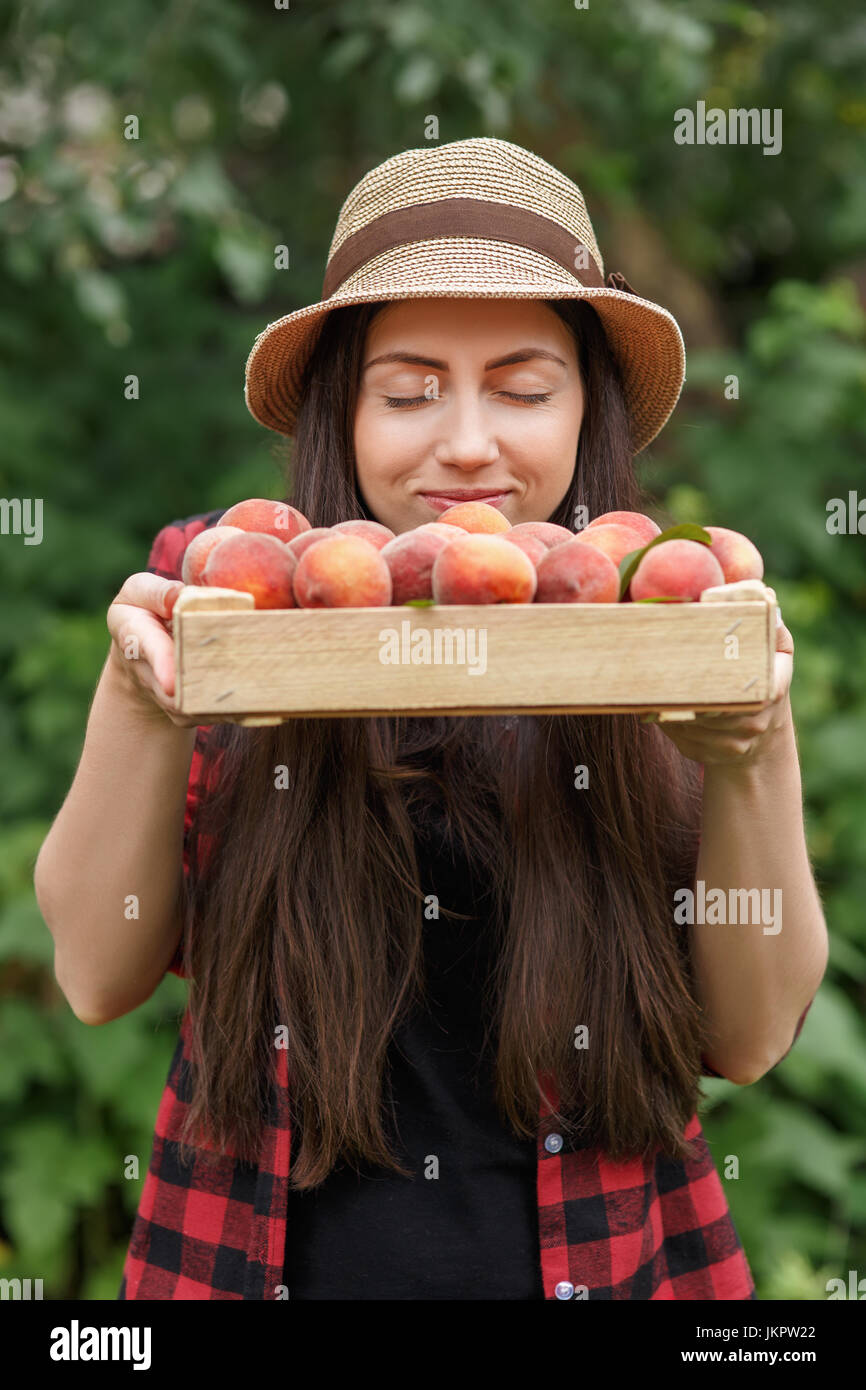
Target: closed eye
{"x":407,"y":402}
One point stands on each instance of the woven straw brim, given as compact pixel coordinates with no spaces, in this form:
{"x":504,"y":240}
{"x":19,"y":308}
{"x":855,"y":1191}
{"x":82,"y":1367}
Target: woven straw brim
{"x":644,"y":337}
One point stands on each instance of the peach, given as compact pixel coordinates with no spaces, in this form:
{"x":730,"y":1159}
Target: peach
{"x":477,"y":517}
{"x":577,"y":573}
{"x":261,"y":565}
{"x":736,"y":554}
{"x":200,"y":547}
{"x":547,"y":531}
{"x":479,"y":568}
{"x":342,"y":571}
{"x":441,"y":527}
{"x":614,"y":538}
{"x":298,"y":544}
{"x":644,"y":525}
{"x":532,"y":546}
{"x":677,"y":569}
{"x":260,"y":514}
{"x":410,"y":558}
{"x":372,"y":531}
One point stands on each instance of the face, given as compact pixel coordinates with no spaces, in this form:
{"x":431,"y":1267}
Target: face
{"x":465,"y":398}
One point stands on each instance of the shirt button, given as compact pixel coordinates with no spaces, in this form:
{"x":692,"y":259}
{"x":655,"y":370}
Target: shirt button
{"x":553,"y":1144}
{"x":564,"y":1289}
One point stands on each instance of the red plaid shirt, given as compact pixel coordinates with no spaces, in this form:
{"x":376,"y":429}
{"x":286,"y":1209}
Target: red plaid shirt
{"x":654,"y":1228}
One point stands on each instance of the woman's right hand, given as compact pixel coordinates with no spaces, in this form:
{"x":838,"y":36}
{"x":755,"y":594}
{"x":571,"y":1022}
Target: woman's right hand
{"x":142,"y":646}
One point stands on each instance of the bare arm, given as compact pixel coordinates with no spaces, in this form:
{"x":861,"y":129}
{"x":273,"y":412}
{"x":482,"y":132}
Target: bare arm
{"x":758,"y":967}
{"x":109,"y":872}
{"x":757,"y":977}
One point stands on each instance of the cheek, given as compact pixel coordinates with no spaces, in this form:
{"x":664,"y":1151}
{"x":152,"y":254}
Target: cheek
{"x":379,"y":451}
{"x":552,"y":440}
{"x":553,"y":460}
{"x":366,"y":439}
{"x":362,"y":427}
{"x":384,"y":439}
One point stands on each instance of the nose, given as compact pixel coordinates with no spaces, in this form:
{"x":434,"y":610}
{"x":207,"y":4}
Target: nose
{"x":467,"y":441}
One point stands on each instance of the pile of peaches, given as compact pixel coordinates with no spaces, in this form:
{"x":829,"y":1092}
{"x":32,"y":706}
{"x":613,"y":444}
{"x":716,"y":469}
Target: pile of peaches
{"x":471,"y":554}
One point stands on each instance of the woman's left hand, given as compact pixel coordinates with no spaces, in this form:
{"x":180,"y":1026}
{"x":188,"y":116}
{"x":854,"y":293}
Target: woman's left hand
{"x":741,"y":739}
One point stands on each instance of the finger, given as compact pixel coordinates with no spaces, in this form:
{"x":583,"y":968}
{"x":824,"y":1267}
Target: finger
{"x":150,"y":591}
{"x":740,"y":725}
{"x":783,"y":672}
{"x":172,"y":597}
{"x":784,"y":638}
{"x":143,"y":641}
{"x":728,"y":750}
{"x":183,"y":721}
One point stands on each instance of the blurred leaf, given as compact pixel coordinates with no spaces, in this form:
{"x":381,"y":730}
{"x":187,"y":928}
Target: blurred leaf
{"x":100,"y":295}
{"x":832,"y":1035}
{"x":808,"y":1149}
{"x":202,"y":189}
{"x":418,"y":80}
{"x":246,"y":262}
{"x":47,"y":1175}
{"x":30,"y":1050}
{"x":110,"y":1055}
{"x":345,"y":54}
{"x":23,"y":934}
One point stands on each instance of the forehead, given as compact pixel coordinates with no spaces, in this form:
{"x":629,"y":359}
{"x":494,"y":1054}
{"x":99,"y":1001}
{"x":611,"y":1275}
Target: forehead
{"x":476,"y":326}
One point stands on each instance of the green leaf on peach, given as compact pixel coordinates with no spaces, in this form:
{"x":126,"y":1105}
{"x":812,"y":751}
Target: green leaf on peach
{"x":685,"y":531}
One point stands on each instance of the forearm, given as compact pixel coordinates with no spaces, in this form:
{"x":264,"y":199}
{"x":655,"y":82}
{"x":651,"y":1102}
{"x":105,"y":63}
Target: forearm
{"x":761,"y":962}
{"x":108,"y":873}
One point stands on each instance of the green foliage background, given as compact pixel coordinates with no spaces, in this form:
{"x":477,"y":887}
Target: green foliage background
{"x":155,"y":256}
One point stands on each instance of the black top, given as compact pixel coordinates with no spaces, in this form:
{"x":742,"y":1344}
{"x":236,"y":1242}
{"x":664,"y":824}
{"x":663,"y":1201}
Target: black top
{"x":472,"y":1231}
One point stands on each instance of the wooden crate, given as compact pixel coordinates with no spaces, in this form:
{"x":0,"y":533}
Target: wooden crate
{"x":259,"y":666}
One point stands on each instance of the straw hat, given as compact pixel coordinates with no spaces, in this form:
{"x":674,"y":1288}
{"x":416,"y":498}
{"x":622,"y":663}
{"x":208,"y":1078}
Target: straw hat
{"x":478,"y":218}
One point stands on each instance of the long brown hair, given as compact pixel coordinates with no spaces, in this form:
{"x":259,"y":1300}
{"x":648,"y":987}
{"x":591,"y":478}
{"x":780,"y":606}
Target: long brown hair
{"x":309,"y":912}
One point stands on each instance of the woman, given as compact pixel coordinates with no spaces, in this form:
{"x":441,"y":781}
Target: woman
{"x":444,"y":1036}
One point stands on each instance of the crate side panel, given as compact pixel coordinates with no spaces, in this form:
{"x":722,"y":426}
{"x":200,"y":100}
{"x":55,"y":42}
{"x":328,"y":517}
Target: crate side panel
{"x":515,"y":656}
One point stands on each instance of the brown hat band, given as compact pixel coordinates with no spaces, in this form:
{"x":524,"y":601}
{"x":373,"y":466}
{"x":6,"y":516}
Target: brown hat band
{"x":465,"y":217}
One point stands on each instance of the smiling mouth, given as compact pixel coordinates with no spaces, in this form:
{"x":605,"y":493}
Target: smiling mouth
{"x":439,"y":501}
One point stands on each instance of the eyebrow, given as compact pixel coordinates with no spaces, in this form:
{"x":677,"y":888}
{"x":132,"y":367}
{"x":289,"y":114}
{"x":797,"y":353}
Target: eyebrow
{"x":414,"y":359}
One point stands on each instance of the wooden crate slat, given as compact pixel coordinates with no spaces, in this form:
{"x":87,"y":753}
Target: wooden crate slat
{"x":234,"y":660}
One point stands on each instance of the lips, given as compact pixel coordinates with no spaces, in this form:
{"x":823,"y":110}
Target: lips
{"x":439,"y":501}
